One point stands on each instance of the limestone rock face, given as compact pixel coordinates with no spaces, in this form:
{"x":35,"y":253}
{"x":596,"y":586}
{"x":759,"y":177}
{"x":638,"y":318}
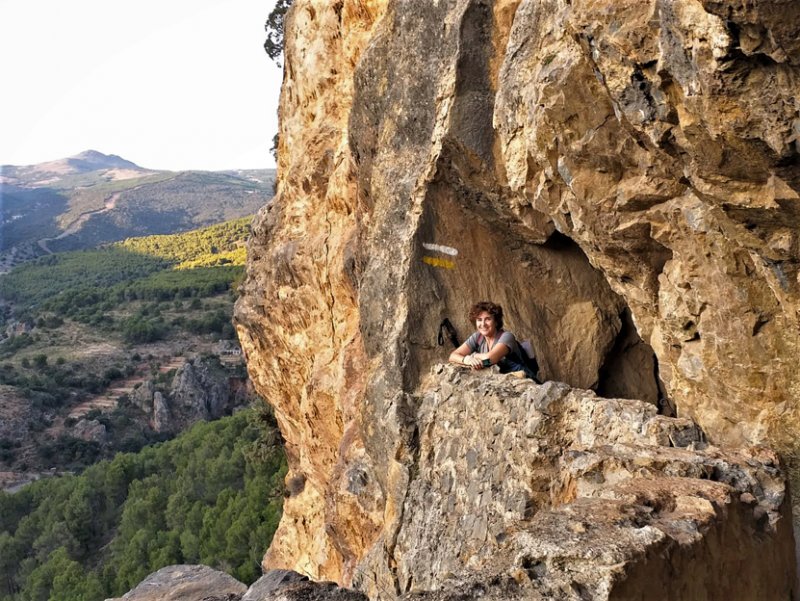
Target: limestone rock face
{"x":90,"y":430}
{"x":566,"y":495}
{"x":142,"y":396}
{"x":623,"y":178}
{"x":201,"y":390}
{"x":161,"y":416}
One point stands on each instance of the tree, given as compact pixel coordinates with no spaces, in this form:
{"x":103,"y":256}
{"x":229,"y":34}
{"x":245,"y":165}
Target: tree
{"x":8,"y":565}
{"x":274,"y":152}
{"x":70,"y":582}
{"x":201,"y":497}
{"x":273,"y":45}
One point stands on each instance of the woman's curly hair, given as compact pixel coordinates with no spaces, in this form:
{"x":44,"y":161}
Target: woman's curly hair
{"x":496,"y":311}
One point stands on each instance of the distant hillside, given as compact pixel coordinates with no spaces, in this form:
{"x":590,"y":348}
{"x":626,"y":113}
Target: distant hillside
{"x":53,"y":173}
{"x":93,"y":198}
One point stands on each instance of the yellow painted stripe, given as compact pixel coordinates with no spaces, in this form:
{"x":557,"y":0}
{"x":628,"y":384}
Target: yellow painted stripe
{"x":435,"y":262}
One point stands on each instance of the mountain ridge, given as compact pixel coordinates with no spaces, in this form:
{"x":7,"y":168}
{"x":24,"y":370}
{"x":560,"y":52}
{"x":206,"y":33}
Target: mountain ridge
{"x":94,"y":198}
{"x":50,"y":172}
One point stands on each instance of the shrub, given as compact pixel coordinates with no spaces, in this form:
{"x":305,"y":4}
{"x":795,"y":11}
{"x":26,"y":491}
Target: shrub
{"x":112,"y":373}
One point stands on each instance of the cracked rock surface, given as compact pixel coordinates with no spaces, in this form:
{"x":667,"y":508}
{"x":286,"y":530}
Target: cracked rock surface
{"x":623,"y":177}
{"x":559,"y":492}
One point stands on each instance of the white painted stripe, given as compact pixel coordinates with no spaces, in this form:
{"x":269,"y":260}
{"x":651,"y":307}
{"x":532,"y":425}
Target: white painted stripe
{"x":448,"y":250}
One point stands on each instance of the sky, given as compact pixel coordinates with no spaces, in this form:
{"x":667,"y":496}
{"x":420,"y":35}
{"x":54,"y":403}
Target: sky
{"x":167,"y":84}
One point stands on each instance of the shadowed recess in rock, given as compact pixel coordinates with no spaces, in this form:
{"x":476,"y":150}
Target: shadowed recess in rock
{"x":581,"y":331}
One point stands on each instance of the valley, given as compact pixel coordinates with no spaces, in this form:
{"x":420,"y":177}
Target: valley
{"x":123,"y":391}
{"x":111,"y":349}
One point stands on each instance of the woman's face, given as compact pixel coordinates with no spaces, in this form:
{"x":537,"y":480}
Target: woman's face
{"x":485,"y":324}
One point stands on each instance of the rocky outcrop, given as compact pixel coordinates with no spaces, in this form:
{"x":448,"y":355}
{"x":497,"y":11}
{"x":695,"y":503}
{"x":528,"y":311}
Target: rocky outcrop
{"x":272,"y":582}
{"x":201,"y":390}
{"x":90,"y":430}
{"x":161,"y":421}
{"x":186,"y":583}
{"x":562,"y":494}
{"x":622,"y":177}
{"x":201,"y":583}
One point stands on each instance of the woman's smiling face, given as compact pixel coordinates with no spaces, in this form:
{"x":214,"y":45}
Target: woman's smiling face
{"x":485,"y":324}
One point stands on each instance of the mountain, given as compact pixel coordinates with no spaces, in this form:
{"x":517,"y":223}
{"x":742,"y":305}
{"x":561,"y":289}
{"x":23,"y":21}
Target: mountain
{"x":93,"y":198}
{"x":51,"y":173}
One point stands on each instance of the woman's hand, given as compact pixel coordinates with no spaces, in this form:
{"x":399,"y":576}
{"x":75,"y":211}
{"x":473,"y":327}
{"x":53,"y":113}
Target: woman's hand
{"x":474,"y":362}
{"x":464,"y":355}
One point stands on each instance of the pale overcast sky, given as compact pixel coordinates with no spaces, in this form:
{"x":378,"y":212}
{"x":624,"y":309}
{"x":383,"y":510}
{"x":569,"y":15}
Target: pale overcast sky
{"x":167,"y":84}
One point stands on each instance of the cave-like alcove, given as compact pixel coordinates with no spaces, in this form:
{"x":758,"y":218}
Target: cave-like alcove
{"x":582,"y":331}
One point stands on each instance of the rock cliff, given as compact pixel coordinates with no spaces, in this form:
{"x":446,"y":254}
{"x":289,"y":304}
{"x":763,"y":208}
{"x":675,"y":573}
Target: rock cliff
{"x":623,"y":178}
{"x":202,"y":389}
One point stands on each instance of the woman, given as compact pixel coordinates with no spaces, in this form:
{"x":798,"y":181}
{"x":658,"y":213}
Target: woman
{"x":490,"y":345}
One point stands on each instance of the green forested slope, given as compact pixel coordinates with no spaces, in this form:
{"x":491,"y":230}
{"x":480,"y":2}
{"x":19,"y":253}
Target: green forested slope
{"x":82,"y":283}
{"x":221,"y":244}
{"x":213,"y":495}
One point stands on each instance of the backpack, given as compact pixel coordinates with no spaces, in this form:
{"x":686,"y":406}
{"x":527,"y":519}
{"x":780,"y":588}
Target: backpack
{"x":529,"y":358}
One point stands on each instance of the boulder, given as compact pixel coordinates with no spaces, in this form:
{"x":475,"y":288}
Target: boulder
{"x":90,"y":430}
{"x":142,"y":396}
{"x":186,"y":583}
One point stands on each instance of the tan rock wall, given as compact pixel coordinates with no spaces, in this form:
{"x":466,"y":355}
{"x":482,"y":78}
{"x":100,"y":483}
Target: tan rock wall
{"x":559,"y":494}
{"x":299,"y":324}
{"x":622,"y":176}
{"x":666,"y":147}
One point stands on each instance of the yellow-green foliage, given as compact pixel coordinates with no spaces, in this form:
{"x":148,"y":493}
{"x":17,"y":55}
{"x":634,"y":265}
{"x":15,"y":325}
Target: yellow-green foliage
{"x":221,"y":244}
{"x":230,"y":257}
{"x":196,"y":263}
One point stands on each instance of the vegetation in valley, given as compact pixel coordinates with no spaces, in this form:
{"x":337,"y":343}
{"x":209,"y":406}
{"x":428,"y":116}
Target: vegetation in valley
{"x":172,"y":290}
{"x":76,"y":329}
{"x":86,"y":285}
{"x":213,"y":496}
{"x":221,"y":244}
